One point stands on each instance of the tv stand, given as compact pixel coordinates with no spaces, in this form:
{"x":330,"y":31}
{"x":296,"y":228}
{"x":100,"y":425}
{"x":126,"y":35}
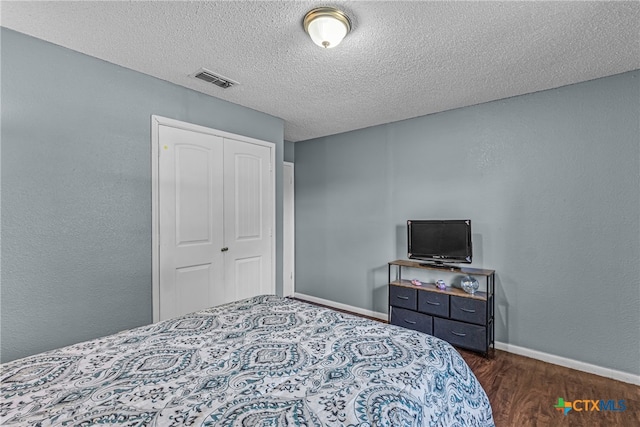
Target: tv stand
{"x":438,"y":266}
{"x":462,"y":319}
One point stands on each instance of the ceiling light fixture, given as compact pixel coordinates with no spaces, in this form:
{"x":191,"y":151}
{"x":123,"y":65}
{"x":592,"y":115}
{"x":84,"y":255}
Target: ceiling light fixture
{"x":326,"y":26}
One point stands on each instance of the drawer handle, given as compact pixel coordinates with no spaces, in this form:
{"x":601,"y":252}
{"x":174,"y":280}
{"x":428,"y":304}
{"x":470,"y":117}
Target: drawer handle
{"x":467,"y":310}
{"x":402,"y":297}
{"x":433,"y":303}
{"x":410,"y":322}
{"x":459,"y":334}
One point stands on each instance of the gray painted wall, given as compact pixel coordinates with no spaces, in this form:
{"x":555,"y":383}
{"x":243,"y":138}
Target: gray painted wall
{"x":551,"y":183}
{"x":289,"y":151}
{"x":76,"y":190}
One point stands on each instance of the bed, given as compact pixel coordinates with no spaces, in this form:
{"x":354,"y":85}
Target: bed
{"x":263,"y":361}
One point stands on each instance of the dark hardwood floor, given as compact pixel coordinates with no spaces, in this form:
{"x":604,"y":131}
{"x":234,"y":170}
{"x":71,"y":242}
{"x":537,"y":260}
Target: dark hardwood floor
{"x":524,"y":391}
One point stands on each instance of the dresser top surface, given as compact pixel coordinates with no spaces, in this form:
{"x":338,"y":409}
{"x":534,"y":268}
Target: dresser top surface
{"x":463,"y":270}
{"x":431,"y":287}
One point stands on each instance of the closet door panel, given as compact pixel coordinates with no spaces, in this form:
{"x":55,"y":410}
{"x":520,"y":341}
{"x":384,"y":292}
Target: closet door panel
{"x":191,"y":221}
{"x":248,"y":212}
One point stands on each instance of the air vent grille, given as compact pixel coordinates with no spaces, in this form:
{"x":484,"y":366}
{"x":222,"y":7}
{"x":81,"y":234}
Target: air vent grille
{"x":213,"y":78}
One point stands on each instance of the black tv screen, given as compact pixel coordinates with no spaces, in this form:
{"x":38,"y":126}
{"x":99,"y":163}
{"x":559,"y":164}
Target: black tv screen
{"x":440,"y":241}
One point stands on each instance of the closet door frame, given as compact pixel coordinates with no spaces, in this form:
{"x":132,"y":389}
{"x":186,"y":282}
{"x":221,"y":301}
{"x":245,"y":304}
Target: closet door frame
{"x":288,"y":230}
{"x":156,"y":122}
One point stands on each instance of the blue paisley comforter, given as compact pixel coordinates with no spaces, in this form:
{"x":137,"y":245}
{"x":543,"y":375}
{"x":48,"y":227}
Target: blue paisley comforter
{"x":264,"y":361}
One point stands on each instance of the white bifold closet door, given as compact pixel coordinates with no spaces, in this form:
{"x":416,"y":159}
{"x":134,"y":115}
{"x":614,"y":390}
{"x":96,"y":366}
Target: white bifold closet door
{"x":215,"y":215}
{"x":247,"y":213}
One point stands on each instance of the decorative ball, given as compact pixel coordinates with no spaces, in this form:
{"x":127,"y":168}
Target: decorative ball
{"x":441,"y":285}
{"x":469,"y":284}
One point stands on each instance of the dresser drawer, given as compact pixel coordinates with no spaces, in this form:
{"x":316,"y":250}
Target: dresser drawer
{"x":433,"y":303}
{"x":412,"y":320}
{"x":469,"y":310}
{"x":400,"y":296}
{"x":465,"y":335}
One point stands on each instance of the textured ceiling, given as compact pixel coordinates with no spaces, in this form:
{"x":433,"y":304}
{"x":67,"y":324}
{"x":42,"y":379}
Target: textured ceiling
{"x":401,"y":60}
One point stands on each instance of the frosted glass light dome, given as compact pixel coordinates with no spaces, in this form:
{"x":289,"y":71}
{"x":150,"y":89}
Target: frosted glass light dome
{"x":326,"y":26}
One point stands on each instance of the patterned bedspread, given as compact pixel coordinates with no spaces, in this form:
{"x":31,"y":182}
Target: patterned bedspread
{"x":264,"y":361}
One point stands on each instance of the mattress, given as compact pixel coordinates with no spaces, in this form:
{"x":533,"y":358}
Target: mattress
{"x":263,"y":361}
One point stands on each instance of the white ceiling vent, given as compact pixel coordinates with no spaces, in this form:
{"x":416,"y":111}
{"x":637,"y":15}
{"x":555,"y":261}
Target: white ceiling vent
{"x":216,"y":79}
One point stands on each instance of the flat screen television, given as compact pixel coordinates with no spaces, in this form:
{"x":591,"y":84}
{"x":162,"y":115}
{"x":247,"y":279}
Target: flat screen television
{"x":440,"y":241}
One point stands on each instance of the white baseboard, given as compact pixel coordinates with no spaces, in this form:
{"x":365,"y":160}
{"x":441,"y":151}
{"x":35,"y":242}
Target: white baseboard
{"x":328,"y":303}
{"x":522,"y":351}
{"x":570,"y":363}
